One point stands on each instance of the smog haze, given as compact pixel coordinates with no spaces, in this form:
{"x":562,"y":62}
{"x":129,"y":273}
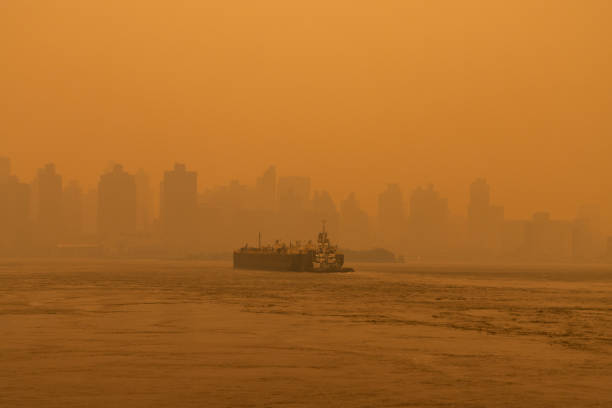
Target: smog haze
{"x":353,"y":94}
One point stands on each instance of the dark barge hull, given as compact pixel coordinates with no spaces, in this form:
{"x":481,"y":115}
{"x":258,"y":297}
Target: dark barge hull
{"x":273,"y":261}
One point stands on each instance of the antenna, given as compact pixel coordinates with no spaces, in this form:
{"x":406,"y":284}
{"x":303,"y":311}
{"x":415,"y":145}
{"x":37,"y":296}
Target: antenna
{"x":260,"y":240}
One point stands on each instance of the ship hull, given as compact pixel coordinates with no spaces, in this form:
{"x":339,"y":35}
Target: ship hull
{"x":273,"y":261}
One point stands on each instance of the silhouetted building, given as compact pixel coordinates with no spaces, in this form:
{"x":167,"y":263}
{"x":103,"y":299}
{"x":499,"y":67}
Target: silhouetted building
{"x":265,"y":190}
{"x":587,"y":239}
{"x":144,"y":195}
{"x":49,"y":214}
{"x":90,"y":212}
{"x":513,"y":239}
{"x":117,"y":204}
{"x":324,"y":209}
{"x":72,"y":210}
{"x":14,"y":212}
{"x":354,"y":225}
{"x":293,"y":193}
{"x":548,"y":239}
{"x":484,"y":221}
{"x":178,"y":208}
{"x":391,"y":217}
{"x":427,"y":224}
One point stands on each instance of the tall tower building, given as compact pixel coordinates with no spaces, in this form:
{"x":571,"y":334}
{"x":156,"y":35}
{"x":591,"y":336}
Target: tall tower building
{"x":265,"y":190}
{"x":178,"y":208}
{"x":73,"y":211}
{"x":49,"y":215}
{"x":354,"y":224}
{"x":391,"y":217}
{"x":14,"y":211}
{"x":144,"y":214}
{"x":117,"y":204}
{"x":485,"y":221}
{"x":428,"y":223}
{"x":293,"y":193}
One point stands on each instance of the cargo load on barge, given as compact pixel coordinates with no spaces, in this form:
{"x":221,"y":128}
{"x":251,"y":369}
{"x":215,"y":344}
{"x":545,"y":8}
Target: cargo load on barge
{"x":321,"y":256}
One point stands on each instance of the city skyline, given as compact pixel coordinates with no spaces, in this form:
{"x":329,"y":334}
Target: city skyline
{"x":119,"y":216}
{"x":369,"y":201}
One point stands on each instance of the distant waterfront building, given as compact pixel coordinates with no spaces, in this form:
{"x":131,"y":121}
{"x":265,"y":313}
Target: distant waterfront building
{"x":293,"y":193}
{"x":90,"y":212}
{"x":14,"y":211}
{"x":548,"y":239}
{"x":179,"y":208}
{"x":72,"y":211}
{"x":428,"y":223}
{"x":117,"y":204}
{"x":354,"y":225}
{"x":324,"y":209}
{"x":49,"y":217}
{"x":144,"y":195}
{"x":265,"y":190}
{"x":485,"y":221}
{"x":587,"y":238}
{"x":391,"y":217}
{"x":513,"y":238}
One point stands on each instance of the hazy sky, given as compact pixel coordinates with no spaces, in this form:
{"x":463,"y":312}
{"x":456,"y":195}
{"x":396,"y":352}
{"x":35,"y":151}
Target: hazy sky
{"x":354,"y":93}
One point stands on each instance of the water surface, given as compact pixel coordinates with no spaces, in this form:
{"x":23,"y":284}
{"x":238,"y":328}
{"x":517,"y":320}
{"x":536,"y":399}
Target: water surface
{"x":102,"y":333}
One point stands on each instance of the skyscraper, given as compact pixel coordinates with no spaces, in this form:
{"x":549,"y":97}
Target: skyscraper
{"x":144,"y":212}
{"x":14,"y":211}
{"x":293,"y":193}
{"x":428,"y":223}
{"x":324,"y":209}
{"x":391,"y":217}
{"x":178,"y":208}
{"x":49,"y":215}
{"x":548,"y":239}
{"x":72,"y":209}
{"x":484,"y":220}
{"x":587,"y":239}
{"x":117,"y":204}
{"x":354,"y":224}
{"x":265,"y":190}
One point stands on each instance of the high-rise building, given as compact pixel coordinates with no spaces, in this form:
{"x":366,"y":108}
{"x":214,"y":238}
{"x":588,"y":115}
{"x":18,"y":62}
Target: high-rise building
{"x":485,"y":221}
{"x":428,"y":223}
{"x":391,"y":217}
{"x":49,"y":215}
{"x":178,"y":208}
{"x":14,"y":212}
{"x":354,"y":224}
{"x":117,"y":204}
{"x":90,"y":212}
{"x":293,"y":193}
{"x":587,"y":238}
{"x":144,"y":213}
{"x":548,"y":239}
{"x":265,"y":190}
{"x":72,"y":207}
{"x":324,"y":209}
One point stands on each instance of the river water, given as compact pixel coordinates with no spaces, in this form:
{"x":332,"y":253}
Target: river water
{"x":145,"y":333}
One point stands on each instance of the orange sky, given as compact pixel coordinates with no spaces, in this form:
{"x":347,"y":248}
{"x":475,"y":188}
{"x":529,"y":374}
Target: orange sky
{"x":354,"y":93}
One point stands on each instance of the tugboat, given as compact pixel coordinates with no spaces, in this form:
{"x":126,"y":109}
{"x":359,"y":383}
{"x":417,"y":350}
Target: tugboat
{"x":320,"y":257}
